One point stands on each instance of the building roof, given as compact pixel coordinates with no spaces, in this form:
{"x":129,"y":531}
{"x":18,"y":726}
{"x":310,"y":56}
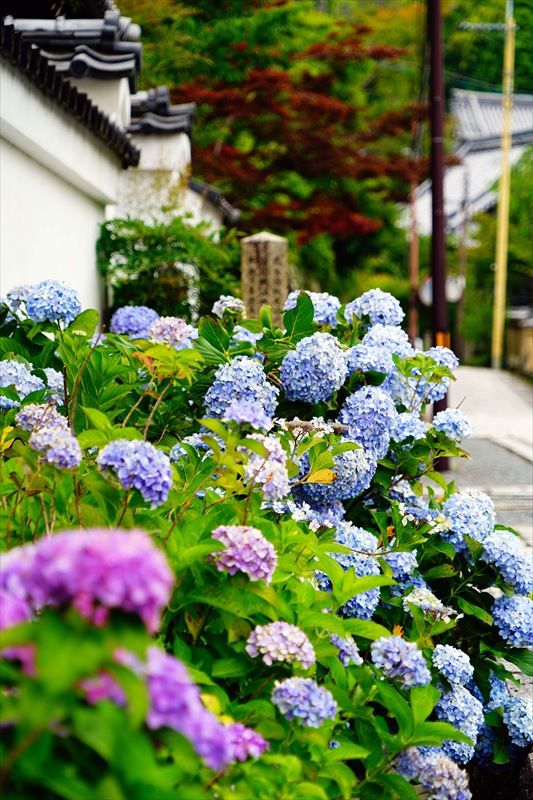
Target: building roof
{"x":479,"y":115}
{"x":30,"y":60}
{"x":230,"y":214}
{"x":152,"y":112}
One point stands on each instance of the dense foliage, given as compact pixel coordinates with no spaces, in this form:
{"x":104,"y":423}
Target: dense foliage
{"x":326,"y":625}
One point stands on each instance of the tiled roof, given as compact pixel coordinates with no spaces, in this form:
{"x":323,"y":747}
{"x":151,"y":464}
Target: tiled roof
{"x":230,"y":214}
{"x":29,"y":58}
{"x":151,"y":112}
{"x":479,"y":115}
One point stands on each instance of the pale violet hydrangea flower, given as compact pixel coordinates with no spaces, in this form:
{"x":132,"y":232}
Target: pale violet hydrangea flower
{"x":513,"y":616}
{"x":172,"y":331}
{"x":33,"y":416}
{"x":133,"y":321}
{"x":389,"y":338}
{"x":54,"y":381}
{"x":354,"y":470}
{"x":518,"y":718}
{"x":469,"y":514}
{"x":246,"y":550}
{"x":57,"y":446}
{"x":348,"y":650}
{"x":369,"y":358}
{"x":325,"y":306}
{"x":453,"y":423}
{"x":227,"y":302}
{"x":314,"y":370}
{"x":370,"y":416}
{"x":268,"y":471}
{"x":17,"y":296}
{"x":138,"y":465}
{"x":244,"y":742}
{"x":408,"y":426}
{"x":52,"y":301}
{"x":399,"y":659}
{"x":503,"y":550}
{"x":430,"y":391}
{"x":380,"y":307}
{"x":242,"y":334}
{"x":18,"y":377}
{"x":453,"y":664}
{"x":242,"y":379}
{"x":440,"y":777}
{"x":246,"y":412}
{"x":280,"y":641}
{"x":464,"y":711}
{"x":428,"y":602}
{"x":302,"y":699}
{"x":327,"y":515}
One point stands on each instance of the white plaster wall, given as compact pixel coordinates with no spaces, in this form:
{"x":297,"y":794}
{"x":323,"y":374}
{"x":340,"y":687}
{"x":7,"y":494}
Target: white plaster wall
{"x":111,"y":96}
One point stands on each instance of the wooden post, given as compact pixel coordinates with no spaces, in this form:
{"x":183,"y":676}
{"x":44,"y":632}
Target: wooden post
{"x":264,"y":273}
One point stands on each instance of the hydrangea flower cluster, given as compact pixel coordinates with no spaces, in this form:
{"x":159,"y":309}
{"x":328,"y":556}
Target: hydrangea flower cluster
{"x":33,"y":416}
{"x":17,"y":296}
{"x":133,"y":321}
{"x":325,"y":306}
{"x":400,"y":659}
{"x":440,"y":777}
{"x":368,"y":358}
{"x":242,"y":334}
{"x":57,"y":446}
{"x":246,"y":412}
{"x":354,"y":470}
{"x":513,"y":616}
{"x":18,"y":376}
{"x":226,"y":302}
{"x":246,"y":550}
{"x":304,"y":700}
{"x":244,"y":742}
{"x":15,"y":610}
{"x":470,"y":514}
{"x":453,"y":423}
{"x":54,"y":381}
{"x":243,"y":379}
{"x":370,"y":416}
{"x":138,"y":465}
{"x":502,"y":549}
{"x":518,"y":718}
{"x":317,"y":516}
{"x":429,"y":603}
{"x":380,"y":307}
{"x":432,"y":390}
{"x":172,"y":331}
{"x":93,"y":570}
{"x":390,"y":339}
{"x":408,"y":426}
{"x":268,"y":471}
{"x":402,"y":562}
{"x":194,"y":440}
{"x":52,"y":301}
{"x":453,"y":664}
{"x":280,"y":641}
{"x":348,"y":650}
{"x":315,"y":369}
{"x":461,"y":709}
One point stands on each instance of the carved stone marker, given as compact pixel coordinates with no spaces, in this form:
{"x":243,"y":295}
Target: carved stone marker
{"x":264,"y":273}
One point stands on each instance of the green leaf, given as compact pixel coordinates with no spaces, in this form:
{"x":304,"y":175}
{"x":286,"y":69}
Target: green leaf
{"x":97,"y":418}
{"x":87,"y":321}
{"x":442,"y":571}
{"x":399,"y":707}
{"x":366,"y":629}
{"x":474,"y":611}
{"x":429,"y":733}
{"x":348,"y":751}
{"x":523,"y":659}
{"x":341,"y":775}
{"x":306,"y":790}
{"x":401,"y":788}
{"x":423,"y":701}
{"x":475,"y":547}
{"x":298,"y":321}
{"x":230,"y":668}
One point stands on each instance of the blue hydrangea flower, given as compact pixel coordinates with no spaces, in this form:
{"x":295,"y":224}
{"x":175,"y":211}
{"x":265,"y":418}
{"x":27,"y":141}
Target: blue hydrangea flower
{"x":17,"y":296}
{"x":314,"y":369}
{"x":242,"y":334}
{"x":33,"y":416}
{"x":504,"y":552}
{"x":499,"y":692}
{"x":400,"y":659}
{"x":439,"y":776}
{"x":453,"y":664}
{"x":242,"y":379}
{"x":370,"y":416}
{"x":469,"y":514}
{"x":268,"y":471}
{"x":408,"y":425}
{"x":327,"y":515}
{"x":366,"y":358}
{"x":325,"y":306}
{"x":58,"y":446}
{"x":195,"y":440}
{"x":54,"y":381}
{"x":431,"y":391}
{"x":513,"y":616}
{"x":304,"y":700}
{"x":246,"y":412}
{"x":462,"y":710}
{"x":226,"y":302}
{"x":389,"y":338}
{"x":453,"y":423}
{"x":138,"y":465}
{"x":133,"y":321}
{"x":17,"y":376}
{"x":52,"y":301}
{"x":402,"y":563}
{"x":518,"y":718}
{"x":380,"y":307}
{"x":348,"y":650}
{"x":354,"y":470}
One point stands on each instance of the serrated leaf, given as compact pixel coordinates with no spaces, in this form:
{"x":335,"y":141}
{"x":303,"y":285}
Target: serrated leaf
{"x":442,"y":571}
{"x":298,"y":321}
{"x":97,"y":418}
{"x":474,"y":611}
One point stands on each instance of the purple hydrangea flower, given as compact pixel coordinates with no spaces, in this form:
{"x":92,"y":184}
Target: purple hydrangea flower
{"x":368,"y":358}
{"x":513,"y":616}
{"x":33,"y":416}
{"x":133,"y":321}
{"x":244,"y":411}
{"x":440,"y":777}
{"x":453,"y":423}
{"x":304,"y":700}
{"x":138,"y":465}
{"x":226,"y":302}
{"x":246,"y":550}
{"x":16,"y":375}
{"x":13,"y":610}
{"x":371,"y":417}
{"x":354,"y":470}
{"x":400,"y":659}
{"x":57,"y":445}
{"x":172,"y":331}
{"x":315,"y":369}
{"x":465,"y":712}
{"x":348,"y":651}
{"x":243,"y":379}
{"x":102,"y":687}
{"x":503,"y":550}
{"x":389,"y":338}
{"x":268,"y":471}
{"x":52,"y":301}
{"x":469,"y":514}
{"x":280,"y":641}
{"x":518,"y":718}
{"x":380,"y":307}
{"x":408,"y":426}
{"x":94,"y":570}
{"x":453,"y":664}
{"x":325,"y":306}
{"x":244,"y":742}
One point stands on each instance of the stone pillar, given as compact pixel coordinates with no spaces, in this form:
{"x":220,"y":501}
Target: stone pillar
{"x":264,"y":273}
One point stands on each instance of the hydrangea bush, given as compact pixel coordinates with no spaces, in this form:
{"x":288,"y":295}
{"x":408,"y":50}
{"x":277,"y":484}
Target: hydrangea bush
{"x":230,"y":568}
